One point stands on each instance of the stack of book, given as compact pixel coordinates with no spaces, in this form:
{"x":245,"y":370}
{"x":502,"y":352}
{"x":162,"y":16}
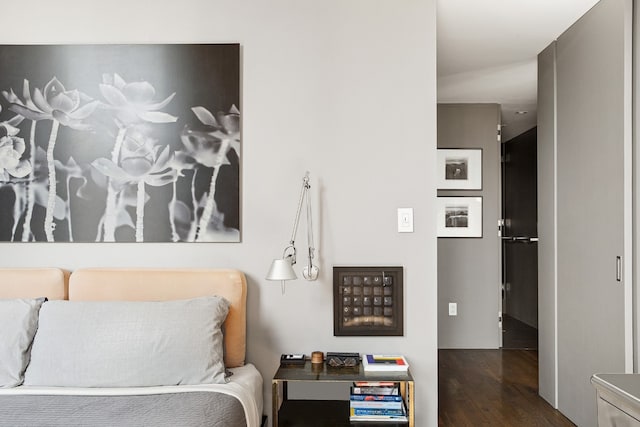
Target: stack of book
{"x":376,"y":401}
{"x":384,"y":363}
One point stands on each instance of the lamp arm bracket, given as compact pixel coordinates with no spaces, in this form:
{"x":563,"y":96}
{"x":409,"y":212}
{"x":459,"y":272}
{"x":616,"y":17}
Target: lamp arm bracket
{"x":310,"y":272}
{"x":303,"y":193}
{"x":290,"y":252}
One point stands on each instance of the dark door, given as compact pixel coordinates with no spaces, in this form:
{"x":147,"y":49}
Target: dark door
{"x":519,"y":242}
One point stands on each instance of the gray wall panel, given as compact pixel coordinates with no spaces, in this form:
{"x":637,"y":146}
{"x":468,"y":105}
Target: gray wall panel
{"x":591,"y":138}
{"x":636,"y":183}
{"x":469,"y":268}
{"x":547,"y":225}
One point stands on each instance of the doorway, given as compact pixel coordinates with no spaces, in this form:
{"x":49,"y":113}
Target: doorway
{"x":520,"y":242}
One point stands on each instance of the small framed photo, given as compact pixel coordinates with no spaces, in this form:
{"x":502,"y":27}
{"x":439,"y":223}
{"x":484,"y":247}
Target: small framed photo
{"x":460,"y":169}
{"x":459,"y":216}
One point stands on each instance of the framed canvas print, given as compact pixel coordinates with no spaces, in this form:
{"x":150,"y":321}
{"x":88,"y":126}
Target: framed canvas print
{"x":120,"y":143}
{"x":367,"y":301}
{"x":459,"y":216}
{"x":460,"y":169}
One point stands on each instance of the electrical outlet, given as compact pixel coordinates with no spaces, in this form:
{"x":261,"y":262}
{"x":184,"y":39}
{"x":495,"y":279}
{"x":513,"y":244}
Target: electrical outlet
{"x":453,"y":309}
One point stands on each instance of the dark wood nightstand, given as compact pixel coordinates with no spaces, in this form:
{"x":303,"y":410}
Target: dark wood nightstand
{"x":322,"y":413}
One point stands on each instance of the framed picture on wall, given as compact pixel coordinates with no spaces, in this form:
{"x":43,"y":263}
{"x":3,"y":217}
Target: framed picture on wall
{"x":120,"y":143}
{"x":367,"y":301}
{"x":459,"y":217}
{"x":460,"y":169}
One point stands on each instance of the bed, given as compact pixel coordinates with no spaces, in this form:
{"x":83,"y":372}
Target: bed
{"x":77,"y":373}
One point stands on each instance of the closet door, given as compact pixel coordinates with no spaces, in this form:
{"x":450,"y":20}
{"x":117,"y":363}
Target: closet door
{"x":593,"y":204}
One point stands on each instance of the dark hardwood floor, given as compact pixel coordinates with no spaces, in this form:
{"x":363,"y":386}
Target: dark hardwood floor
{"x":517,"y":334}
{"x":492,"y":388}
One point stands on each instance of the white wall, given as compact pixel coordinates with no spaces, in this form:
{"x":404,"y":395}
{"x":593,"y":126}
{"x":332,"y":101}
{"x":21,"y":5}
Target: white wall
{"x":345,"y":89}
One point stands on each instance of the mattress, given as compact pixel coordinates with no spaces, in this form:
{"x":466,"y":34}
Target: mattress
{"x":237,"y":403}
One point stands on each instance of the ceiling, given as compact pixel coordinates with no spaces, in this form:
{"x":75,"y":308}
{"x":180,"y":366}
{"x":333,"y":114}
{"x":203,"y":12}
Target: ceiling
{"x":487,"y":52}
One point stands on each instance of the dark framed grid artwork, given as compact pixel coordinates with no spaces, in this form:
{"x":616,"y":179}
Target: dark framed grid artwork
{"x":368,"y":301}
{"x":120,"y":143}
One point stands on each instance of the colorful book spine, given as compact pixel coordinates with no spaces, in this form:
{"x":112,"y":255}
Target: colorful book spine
{"x":379,"y":418}
{"x":377,"y":412}
{"x":376,"y":405}
{"x":376,"y":397}
{"x":375,"y":384}
{"x":375,"y":390}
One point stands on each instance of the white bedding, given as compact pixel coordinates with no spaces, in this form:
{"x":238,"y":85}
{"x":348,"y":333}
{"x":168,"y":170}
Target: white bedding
{"x":245,"y":385}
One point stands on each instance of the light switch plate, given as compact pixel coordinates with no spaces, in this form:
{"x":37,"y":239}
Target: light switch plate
{"x":453,"y":309}
{"x":405,"y":220}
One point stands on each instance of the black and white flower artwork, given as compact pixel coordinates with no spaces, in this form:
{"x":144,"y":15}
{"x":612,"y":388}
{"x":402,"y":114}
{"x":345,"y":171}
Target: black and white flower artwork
{"x":120,"y":143}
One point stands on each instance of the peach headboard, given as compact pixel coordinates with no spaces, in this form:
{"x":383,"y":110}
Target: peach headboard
{"x":114,"y":284}
{"x":33,"y":283}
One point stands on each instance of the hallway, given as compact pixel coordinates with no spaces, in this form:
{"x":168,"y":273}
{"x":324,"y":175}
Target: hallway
{"x":518,"y":335}
{"x":492,"y":388}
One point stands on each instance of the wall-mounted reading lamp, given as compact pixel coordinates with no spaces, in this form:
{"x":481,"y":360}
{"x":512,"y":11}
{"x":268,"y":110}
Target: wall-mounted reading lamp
{"x":282,"y":268}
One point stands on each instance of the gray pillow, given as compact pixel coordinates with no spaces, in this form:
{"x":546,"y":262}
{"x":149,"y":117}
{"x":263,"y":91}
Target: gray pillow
{"x":127,"y":344}
{"x":18,"y":324}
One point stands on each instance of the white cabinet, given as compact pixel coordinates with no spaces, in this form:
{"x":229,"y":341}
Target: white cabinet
{"x":618,"y":399}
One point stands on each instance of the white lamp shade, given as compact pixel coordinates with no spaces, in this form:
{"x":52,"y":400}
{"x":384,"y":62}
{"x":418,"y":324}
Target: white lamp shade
{"x":281,"y":269}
